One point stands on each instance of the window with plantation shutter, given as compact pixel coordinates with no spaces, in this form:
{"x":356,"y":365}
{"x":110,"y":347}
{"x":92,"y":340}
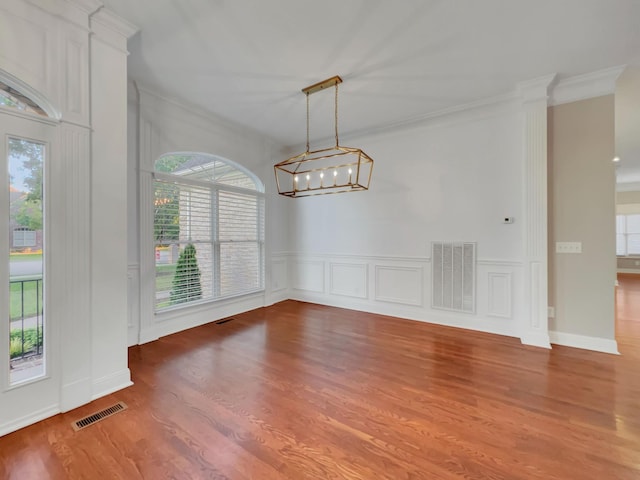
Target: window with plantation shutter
{"x":208,"y":230}
{"x":628,"y":235}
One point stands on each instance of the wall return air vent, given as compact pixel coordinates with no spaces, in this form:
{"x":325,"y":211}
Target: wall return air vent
{"x":453,"y":275}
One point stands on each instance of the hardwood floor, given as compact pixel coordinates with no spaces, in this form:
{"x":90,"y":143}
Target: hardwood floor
{"x":300,"y":391}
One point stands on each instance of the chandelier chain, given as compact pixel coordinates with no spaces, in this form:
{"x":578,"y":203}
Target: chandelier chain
{"x":307,"y":122}
{"x":336,"y":115}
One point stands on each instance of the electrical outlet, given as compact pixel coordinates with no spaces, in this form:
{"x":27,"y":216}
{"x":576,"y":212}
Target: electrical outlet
{"x":568,"y":247}
{"x":551,"y":312}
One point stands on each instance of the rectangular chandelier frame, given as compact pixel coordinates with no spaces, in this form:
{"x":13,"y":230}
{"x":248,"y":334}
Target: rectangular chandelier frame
{"x":329,"y":170}
{"x":337,"y":169}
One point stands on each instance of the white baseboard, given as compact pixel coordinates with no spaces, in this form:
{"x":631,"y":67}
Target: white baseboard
{"x":30,"y":419}
{"x":417,"y":313}
{"x":536,"y":339}
{"x":75,"y":394}
{"x":634,"y":271}
{"x":173,"y":321}
{"x":277,"y":297}
{"x":111,"y":383}
{"x":596,"y":344}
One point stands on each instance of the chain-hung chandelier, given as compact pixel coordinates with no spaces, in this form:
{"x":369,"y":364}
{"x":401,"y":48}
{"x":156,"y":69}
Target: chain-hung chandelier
{"x":336,"y":169}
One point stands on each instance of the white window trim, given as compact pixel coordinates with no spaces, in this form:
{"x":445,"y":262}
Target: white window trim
{"x":215,"y":187}
{"x":626,"y":240}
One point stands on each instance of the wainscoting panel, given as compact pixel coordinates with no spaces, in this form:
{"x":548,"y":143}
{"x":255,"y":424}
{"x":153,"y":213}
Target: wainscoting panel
{"x":279,"y":276}
{"x":307,"y":275}
{"x":348,"y":279}
{"x":76,"y":75}
{"x":403,"y":285}
{"x":499,"y":294}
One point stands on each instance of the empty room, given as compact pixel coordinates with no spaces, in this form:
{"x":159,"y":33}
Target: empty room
{"x":350,"y":240}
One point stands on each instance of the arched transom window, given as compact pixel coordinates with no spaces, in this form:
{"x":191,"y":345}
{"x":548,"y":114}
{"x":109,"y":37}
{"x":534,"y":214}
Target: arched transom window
{"x":10,"y":97}
{"x":208,"y":229}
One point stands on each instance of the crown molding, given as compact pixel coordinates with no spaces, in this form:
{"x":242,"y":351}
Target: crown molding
{"x":87,"y":6}
{"x":589,"y":85}
{"x":536,"y":88}
{"x":113,"y":22}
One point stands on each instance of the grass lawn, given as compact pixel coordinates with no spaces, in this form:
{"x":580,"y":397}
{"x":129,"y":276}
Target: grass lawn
{"x":23,"y":294}
{"x":32,"y":296}
{"x":164,"y":281}
{"x":164,"y":277}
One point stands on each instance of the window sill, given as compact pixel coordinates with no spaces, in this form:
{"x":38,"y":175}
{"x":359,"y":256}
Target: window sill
{"x":204,"y":305}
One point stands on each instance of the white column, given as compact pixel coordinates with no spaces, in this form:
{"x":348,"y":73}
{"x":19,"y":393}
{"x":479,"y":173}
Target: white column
{"x":534,"y":96}
{"x":109,"y":322}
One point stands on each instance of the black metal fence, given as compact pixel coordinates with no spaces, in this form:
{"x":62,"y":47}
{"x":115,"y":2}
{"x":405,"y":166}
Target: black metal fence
{"x":26,"y":329}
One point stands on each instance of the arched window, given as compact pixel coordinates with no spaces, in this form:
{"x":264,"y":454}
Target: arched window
{"x":208,"y":229}
{"x":10,"y":97}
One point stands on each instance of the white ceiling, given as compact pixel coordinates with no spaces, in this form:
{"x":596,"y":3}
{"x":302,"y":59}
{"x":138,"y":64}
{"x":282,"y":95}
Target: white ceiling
{"x":246,"y":60}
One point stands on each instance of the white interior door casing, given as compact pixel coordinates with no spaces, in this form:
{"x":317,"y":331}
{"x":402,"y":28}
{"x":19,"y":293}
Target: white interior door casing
{"x":40,"y":396}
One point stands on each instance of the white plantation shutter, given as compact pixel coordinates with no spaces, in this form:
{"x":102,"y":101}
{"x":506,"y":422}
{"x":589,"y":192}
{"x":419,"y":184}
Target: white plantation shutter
{"x":240,"y":239}
{"x":224,"y":221}
{"x":628,"y":234}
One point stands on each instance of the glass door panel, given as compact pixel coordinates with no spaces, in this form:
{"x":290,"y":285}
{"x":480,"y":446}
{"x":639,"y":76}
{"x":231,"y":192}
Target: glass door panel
{"x":27,"y":341}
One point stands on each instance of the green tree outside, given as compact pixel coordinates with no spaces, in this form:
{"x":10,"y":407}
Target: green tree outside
{"x":166,"y":203}
{"x":29,"y":212}
{"x":186,"y":281}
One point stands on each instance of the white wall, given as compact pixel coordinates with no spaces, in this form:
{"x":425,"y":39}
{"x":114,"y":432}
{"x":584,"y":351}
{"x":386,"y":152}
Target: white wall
{"x":455,"y":177}
{"x":436,"y":182}
{"x":452,"y":178}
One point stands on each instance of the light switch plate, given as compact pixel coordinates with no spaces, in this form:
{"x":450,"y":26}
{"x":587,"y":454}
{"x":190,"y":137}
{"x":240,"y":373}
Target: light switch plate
{"x":568,"y":247}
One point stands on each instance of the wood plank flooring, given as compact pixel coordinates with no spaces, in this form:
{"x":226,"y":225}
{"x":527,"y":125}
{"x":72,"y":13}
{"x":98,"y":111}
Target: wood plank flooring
{"x":300,"y":391}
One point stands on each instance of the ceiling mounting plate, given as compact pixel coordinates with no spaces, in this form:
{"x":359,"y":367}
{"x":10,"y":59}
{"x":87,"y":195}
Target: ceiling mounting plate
{"x":316,"y":87}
